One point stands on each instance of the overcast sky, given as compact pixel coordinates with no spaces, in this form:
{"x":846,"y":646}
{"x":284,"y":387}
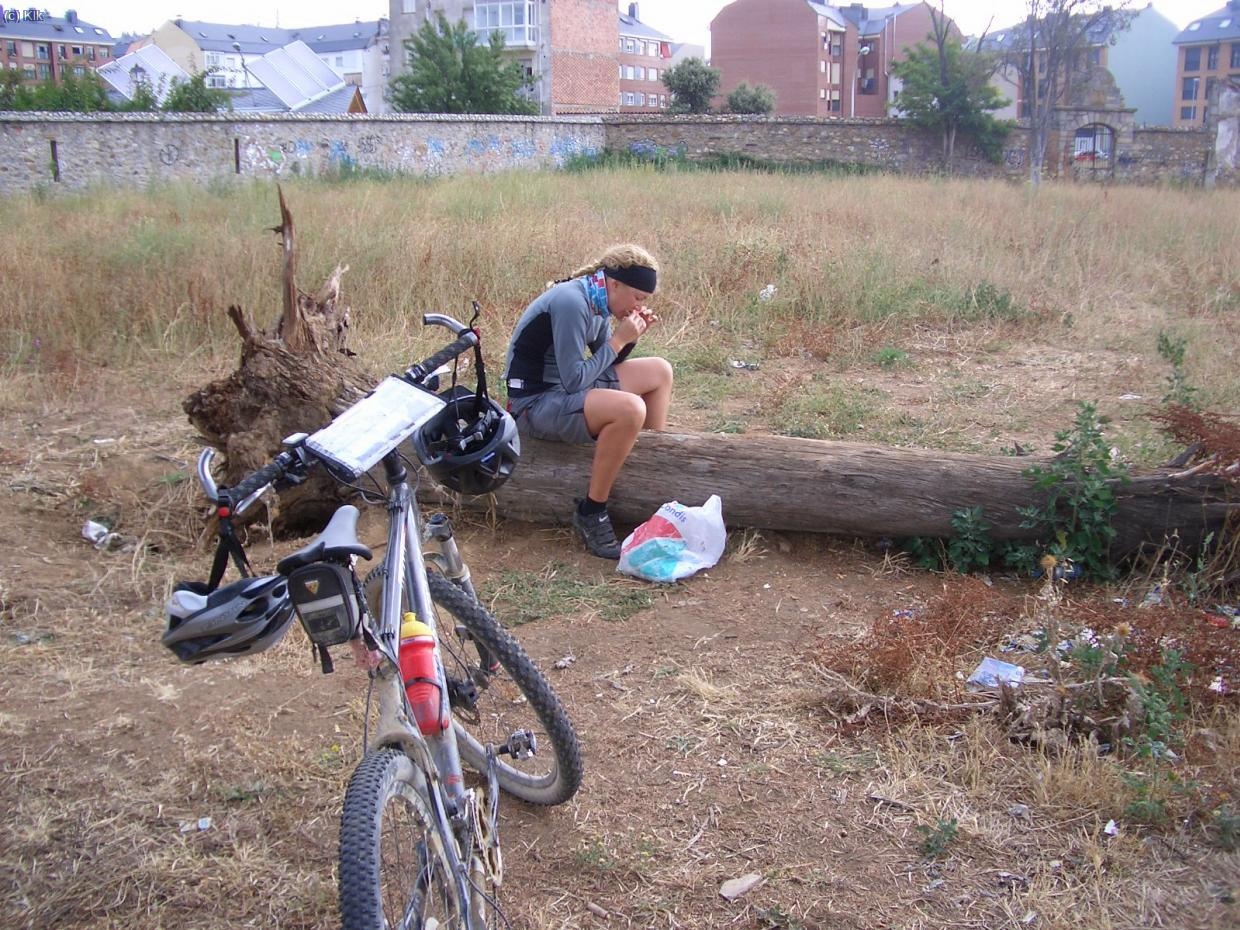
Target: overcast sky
{"x":683,"y":20}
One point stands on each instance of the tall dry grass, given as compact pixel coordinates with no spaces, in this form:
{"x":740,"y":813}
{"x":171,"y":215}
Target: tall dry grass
{"x":140,"y":280}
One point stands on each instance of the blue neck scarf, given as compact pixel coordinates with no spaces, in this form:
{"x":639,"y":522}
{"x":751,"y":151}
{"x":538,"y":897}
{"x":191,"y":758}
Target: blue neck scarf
{"x":596,"y":292}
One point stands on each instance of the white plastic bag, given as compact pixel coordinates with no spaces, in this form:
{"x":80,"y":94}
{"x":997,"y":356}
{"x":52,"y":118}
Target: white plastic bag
{"x":676,"y":542}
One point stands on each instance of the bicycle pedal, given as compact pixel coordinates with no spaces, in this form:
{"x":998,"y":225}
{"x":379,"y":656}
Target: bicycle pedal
{"x":520,"y":745}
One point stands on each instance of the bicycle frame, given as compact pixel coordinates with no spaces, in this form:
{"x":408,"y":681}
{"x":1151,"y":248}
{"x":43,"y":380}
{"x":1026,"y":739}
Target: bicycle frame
{"x":437,"y":754}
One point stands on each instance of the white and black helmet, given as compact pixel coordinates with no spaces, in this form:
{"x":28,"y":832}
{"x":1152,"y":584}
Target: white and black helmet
{"x":243,"y":618}
{"x":471,"y":446}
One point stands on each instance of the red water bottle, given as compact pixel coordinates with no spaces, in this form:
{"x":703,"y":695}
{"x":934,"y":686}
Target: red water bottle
{"x":417,"y":669}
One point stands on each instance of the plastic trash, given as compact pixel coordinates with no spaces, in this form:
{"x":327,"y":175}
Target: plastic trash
{"x":676,"y":542}
{"x":99,"y":535}
{"x":991,"y":673}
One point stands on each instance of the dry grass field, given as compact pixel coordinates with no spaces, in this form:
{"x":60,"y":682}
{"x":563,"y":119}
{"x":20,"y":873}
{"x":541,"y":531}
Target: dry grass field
{"x":798,"y":713}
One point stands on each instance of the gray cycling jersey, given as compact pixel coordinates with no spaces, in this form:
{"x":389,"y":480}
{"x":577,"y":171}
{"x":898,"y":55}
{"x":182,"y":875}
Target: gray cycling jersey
{"x":560,"y":340}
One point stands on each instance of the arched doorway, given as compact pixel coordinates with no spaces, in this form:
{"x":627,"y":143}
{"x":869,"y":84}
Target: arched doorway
{"x":1093,"y":152}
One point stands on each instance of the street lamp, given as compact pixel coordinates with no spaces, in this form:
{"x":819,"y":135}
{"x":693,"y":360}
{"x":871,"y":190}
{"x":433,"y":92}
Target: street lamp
{"x":861,"y":53}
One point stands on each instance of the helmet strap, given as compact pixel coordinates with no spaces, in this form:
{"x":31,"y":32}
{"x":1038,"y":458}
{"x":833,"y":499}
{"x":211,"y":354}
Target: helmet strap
{"x":228,"y":545}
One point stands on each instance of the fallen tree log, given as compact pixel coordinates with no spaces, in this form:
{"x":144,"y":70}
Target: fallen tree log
{"x":809,"y":485}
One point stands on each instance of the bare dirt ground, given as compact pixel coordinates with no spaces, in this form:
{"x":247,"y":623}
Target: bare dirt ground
{"x":140,"y":794}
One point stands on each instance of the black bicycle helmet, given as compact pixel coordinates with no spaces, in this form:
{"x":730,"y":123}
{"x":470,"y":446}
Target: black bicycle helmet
{"x":243,"y":618}
{"x":471,"y":446}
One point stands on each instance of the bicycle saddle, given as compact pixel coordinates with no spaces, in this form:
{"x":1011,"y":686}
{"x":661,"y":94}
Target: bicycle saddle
{"x":337,"y":541}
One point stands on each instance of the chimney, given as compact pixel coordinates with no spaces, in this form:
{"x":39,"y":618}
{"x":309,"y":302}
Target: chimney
{"x":70,"y":16}
{"x":633,"y":12}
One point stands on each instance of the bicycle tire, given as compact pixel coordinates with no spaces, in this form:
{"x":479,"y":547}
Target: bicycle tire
{"x":562,"y":778}
{"x":375,"y":894}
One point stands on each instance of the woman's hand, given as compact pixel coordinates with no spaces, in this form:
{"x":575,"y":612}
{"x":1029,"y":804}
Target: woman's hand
{"x":629,"y":329}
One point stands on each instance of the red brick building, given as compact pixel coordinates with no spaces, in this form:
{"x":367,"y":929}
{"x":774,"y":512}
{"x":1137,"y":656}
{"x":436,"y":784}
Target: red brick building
{"x":567,"y":46}
{"x":645,"y":53}
{"x":46,"y":48}
{"x":819,"y":60}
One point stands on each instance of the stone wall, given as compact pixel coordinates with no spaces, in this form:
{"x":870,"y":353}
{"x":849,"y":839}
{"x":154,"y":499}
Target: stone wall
{"x":69,"y":151}
{"x":884,"y":144}
{"x":73,"y":151}
{"x":1142,"y":155}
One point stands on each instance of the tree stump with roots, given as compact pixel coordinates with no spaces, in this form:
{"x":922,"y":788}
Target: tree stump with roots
{"x":290,"y":380}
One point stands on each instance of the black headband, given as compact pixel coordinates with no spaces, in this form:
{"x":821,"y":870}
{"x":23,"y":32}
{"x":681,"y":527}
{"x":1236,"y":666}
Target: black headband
{"x":638,"y":277}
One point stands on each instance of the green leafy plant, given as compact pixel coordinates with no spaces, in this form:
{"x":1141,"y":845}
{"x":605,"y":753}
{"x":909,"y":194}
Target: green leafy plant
{"x":936,"y":840}
{"x":1179,"y":391}
{"x":969,"y":549}
{"x":693,"y":83}
{"x":1075,"y":517}
{"x":889,"y":357}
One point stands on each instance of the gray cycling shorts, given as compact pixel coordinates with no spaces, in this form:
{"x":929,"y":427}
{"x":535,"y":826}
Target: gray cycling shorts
{"x":558,"y":416}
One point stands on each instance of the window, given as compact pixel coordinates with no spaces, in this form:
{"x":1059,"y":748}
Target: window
{"x":652,"y":74}
{"x":835,"y":72}
{"x":1235,"y":54}
{"x":12,"y":48}
{"x":1188,"y":112}
{"x":28,"y":71}
{"x":621,"y":72}
{"x":630,"y":46}
{"x":79,"y":70}
{"x":822,"y":93}
{"x":45,"y":72}
{"x":516,"y":19}
{"x":28,"y":49}
{"x":77,"y":51}
{"x":1188,"y":90}
{"x":90,"y":53}
{"x":822,"y":66}
{"x":339,"y":61}
{"x":61,"y":53}
{"x":217,"y":80}
{"x":641,"y":100}
{"x":1192,"y":59}
{"x":1212,"y":58}
{"x":212,"y":59}
{"x":409,"y":6}
{"x":103,"y":53}
{"x":42,"y":53}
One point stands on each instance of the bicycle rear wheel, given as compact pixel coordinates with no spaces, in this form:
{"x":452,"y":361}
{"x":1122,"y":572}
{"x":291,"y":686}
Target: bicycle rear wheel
{"x":510,"y":698}
{"x":394,"y":870}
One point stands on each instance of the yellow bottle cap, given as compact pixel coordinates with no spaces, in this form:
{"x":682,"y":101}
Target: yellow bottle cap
{"x":411,"y":626}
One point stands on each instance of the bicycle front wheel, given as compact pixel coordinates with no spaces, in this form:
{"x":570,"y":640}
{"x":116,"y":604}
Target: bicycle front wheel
{"x":509,"y":698}
{"x":394,"y":869}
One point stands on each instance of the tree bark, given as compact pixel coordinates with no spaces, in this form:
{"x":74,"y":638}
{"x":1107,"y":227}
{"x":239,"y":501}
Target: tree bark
{"x":293,"y":379}
{"x":784,"y":483}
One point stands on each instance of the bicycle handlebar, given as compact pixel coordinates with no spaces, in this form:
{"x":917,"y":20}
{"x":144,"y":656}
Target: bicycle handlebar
{"x":418,"y":373}
{"x":248,"y":489}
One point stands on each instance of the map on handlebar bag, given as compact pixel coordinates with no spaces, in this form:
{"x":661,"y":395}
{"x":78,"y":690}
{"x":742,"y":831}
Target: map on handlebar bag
{"x":358,"y":439}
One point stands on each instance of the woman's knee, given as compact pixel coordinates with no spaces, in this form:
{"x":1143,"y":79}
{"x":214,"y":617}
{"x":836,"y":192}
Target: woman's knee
{"x":663,"y":371}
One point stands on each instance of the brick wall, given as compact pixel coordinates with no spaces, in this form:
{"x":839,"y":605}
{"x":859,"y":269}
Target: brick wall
{"x":771,"y":42}
{"x":585,"y":37}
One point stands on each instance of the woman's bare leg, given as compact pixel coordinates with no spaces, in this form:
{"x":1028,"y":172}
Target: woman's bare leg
{"x":651,"y":380}
{"x":614,"y":419}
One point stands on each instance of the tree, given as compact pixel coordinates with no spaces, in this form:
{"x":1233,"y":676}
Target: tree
{"x":451,"y":72}
{"x":194,"y":96}
{"x":74,"y":93}
{"x":948,"y":90}
{"x":1047,"y":50}
{"x":758,"y":99}
{"x":693,"y":84}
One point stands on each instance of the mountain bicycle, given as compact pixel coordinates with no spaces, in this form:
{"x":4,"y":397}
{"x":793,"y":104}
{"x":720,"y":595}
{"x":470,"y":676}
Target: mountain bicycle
{"x":419,"y":845}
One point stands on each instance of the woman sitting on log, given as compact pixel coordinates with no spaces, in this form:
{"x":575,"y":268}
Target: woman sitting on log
{"x":570,"y":378}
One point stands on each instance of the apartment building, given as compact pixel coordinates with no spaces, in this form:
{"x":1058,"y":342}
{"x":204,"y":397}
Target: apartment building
{"x":46,"y":48}
{"x":568,"y":47}
{"x":819,"y":60}
{"x":645,"y":53}
{"x":1206,"y":52}
{"x":1133,"y":45}
{"x":357,"y":52}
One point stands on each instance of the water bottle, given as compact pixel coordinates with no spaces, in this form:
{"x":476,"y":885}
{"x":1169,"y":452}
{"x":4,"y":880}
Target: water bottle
{"x":417,"y":669}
